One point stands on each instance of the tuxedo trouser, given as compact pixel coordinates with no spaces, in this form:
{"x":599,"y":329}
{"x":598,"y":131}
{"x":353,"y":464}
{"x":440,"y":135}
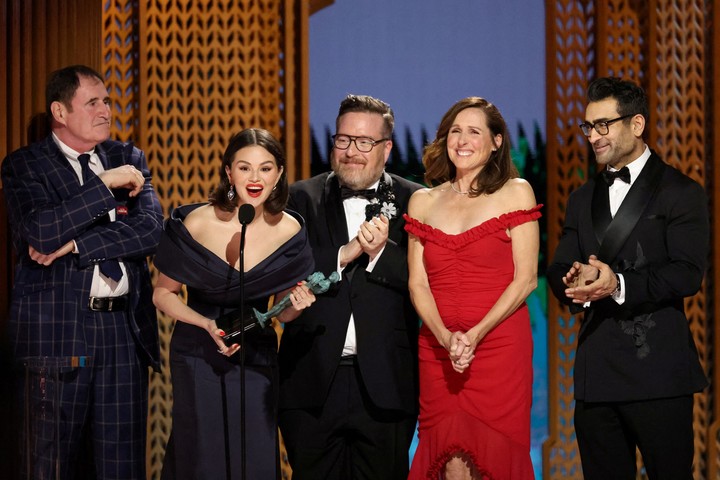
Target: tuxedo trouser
{"x":348,"y":438}
{"x":609,"y":432}
{"x":102,"y":420}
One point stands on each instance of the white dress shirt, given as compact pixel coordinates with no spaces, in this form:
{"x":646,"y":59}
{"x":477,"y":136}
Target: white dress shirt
{"x":355,"y":215}
{"x":618,"y":191}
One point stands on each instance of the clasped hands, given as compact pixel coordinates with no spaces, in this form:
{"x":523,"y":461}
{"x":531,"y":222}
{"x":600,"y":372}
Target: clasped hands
{"x":371,"y":239}
{"x":589,"y":282}
{"x":461,"y":349}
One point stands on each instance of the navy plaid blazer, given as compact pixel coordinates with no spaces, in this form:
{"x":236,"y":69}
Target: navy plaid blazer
{"x":47,"y":207}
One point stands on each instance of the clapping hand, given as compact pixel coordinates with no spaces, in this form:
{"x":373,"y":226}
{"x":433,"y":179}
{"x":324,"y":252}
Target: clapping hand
{"x":580,"y":274}
{"x":589,"y":289}
{"x":373,"y":235}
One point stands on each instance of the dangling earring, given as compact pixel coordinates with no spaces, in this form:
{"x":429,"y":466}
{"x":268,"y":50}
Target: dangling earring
{"x":231,"y":193}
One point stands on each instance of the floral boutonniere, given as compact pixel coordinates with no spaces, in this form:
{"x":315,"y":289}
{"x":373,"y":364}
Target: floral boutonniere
{"x":384,"y":203}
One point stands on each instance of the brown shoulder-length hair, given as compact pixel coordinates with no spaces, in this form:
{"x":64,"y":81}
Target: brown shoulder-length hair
{"x":277,"y":201}
{"x":499,"y":168}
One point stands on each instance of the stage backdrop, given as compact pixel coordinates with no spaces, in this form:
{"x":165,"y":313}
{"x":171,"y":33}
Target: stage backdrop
{"x":185,"y":75}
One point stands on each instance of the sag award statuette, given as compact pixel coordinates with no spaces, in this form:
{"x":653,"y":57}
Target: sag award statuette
{"x":316,"y":282}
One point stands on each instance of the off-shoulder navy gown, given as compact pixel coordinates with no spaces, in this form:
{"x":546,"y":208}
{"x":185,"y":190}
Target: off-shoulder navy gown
{"x":205,"y":441}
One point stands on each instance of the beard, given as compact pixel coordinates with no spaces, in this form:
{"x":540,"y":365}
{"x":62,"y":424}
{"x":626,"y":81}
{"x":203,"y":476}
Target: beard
{"x":352,"y":175}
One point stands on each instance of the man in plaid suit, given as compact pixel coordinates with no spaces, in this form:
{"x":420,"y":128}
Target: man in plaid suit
{"x":84,"y":217}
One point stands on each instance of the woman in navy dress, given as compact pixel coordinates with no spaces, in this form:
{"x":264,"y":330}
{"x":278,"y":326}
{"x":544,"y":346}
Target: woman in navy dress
{"x":200,"y":250}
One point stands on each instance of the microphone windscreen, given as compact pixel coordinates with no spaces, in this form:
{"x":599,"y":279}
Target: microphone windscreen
{"x":246,"y":213}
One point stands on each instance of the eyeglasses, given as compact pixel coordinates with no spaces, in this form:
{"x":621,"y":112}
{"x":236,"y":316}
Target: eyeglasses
{"x":601,"y":127}
{"x":363,"y":144}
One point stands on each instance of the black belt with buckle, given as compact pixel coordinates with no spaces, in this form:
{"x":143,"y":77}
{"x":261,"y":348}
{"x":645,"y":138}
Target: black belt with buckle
{"x":108,"y":304}
{"x":348,"y":360}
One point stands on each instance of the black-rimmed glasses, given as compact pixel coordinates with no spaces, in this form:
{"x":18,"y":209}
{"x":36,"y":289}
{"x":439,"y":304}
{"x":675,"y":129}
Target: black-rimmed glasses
{"x":363,"y":144}
{"x":601,"y":127}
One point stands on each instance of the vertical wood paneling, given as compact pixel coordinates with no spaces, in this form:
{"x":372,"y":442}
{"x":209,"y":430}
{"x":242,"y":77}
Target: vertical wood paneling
{"x":297,"y":100}
{"x":570,"y":36}
{"x":713,"y":166}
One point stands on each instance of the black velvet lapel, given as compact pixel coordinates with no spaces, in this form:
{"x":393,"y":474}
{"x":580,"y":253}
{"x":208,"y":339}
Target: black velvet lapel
{"x":627,"y":216}
{"x":600,"y":208}
{"x":335,"y":213}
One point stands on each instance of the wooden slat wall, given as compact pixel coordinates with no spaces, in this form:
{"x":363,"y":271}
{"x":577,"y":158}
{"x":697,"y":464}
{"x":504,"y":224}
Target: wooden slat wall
{"x":713,"y":132}
{"x":667,"y":46}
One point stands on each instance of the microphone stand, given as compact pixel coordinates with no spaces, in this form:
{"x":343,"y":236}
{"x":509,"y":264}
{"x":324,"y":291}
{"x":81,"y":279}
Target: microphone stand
{"x":246,"y":214}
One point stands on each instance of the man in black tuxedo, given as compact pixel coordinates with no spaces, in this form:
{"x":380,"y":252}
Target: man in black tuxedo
{"x":348,"y":365}
{"x":634,"y":245}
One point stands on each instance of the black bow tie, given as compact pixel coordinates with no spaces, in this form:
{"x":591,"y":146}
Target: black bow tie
{"x":347,"y":192}
{"x":623,"y":174}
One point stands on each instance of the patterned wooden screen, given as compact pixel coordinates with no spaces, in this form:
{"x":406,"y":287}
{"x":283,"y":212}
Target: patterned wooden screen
{"x":184,"y":77}
{"x":680,"y":114}
{"x":665,"y":46}
{"x":570,"y":38}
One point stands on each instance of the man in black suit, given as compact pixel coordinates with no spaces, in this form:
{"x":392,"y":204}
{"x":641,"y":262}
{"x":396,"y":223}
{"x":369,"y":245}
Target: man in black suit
{"x":634,"y":245}
{"x":348,"y":365}
{"x":83,"y":216}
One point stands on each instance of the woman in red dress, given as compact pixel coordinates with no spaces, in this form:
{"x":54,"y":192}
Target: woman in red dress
{"x":473,"y":261}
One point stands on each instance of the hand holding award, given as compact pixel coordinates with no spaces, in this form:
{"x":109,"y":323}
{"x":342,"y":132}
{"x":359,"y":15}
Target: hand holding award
{"x":230,"y":322}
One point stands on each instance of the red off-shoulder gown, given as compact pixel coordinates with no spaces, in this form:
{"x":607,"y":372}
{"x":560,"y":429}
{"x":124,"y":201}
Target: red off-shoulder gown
{"x":484,"y":412}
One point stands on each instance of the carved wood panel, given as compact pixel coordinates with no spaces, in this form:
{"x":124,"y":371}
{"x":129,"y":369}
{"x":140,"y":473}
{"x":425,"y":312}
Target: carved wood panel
{"x":666,"y":47}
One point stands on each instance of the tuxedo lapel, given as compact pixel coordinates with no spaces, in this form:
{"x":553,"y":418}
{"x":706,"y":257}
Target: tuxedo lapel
{"x":600,"y":208}
{"x":397,"y":226}
{"x":335,"y":213}
{"x":640,"y":195}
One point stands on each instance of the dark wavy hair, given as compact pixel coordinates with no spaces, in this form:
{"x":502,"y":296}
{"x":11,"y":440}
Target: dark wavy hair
{"x":277,"y":201}
{"x":631,"y":98}
{"x":368,"y":104}
{"x":62,"y":85}
{"x":499,"y":168}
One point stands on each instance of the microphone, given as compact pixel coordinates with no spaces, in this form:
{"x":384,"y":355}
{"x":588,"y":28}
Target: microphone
{"x":246,"y":213}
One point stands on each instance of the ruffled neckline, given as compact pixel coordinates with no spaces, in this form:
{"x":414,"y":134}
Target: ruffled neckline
{"x":486,"y":228}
